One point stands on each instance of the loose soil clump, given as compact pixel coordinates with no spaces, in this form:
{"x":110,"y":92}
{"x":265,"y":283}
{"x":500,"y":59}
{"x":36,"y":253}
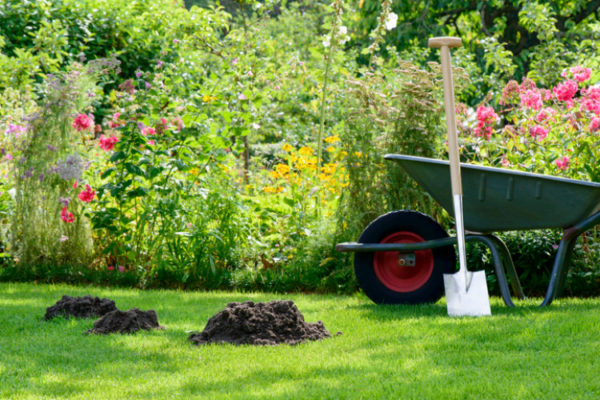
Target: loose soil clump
{"x":80,"y":307}
{"x":262,"y":324}
{"x":130,"y":321}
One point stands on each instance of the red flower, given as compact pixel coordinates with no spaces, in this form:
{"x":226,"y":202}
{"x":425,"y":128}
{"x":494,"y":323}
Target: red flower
{"x":75,"y":185}
{"x":87,"y":195}
{"x":82,"y":122}
{"x":67,"y":216}
{"x":108,"y":143}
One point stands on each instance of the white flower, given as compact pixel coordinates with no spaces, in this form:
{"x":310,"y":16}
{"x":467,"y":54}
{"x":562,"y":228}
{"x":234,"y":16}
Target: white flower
{"x":343,"y":30}
{"x":326,"y":41}
{"x":391,"y":21}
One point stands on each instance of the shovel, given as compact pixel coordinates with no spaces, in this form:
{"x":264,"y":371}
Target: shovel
{"x":466,"y":292}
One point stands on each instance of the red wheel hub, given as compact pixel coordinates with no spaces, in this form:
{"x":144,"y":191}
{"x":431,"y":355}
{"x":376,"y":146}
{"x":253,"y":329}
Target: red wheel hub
{"x":403,"y":278}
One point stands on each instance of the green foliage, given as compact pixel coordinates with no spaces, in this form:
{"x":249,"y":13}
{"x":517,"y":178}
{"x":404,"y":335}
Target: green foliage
{"x":502,"y":39}
{"x":393,"y":112}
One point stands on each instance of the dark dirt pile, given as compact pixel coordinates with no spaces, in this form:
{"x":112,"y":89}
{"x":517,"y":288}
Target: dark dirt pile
{"x":268,"y":323}
{"x":80,"y":307}
{"x":131,"y":321}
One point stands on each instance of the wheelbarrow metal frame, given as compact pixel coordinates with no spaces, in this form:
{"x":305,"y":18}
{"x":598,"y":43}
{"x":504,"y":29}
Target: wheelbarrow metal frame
{"x":503,"y":263}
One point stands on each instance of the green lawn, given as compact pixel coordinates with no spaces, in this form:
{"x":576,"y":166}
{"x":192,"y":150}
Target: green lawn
{"x":384,"y":352}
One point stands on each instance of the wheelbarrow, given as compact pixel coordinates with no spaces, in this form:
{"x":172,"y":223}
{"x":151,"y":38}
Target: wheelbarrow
{"x":401,"y":256}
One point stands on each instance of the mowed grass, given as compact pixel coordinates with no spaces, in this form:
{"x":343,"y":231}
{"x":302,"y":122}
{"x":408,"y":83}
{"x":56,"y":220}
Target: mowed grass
{"x":385,"y":352}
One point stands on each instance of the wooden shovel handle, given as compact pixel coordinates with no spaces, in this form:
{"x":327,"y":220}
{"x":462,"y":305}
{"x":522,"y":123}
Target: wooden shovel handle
{"x":444,"y":44}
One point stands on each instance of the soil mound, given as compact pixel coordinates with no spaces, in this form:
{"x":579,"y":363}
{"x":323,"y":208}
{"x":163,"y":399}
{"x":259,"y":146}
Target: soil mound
{"x":129,"y":321}
{"x":80,"y":307}
{"x":268,"y":323}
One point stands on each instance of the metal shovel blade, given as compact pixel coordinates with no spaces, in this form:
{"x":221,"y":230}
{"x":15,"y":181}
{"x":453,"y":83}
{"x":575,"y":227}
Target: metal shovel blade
{"x":467,"y":298}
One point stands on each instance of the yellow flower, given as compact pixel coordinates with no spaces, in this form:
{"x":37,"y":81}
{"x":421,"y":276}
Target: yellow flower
{"x":282,"y":169}
{"x":208,"y":99}
{"x":269,"y":189}
{"x":330,"y":149}
{"x":287,"y":147}
{"x":306,"y":151}
{"x":332,"y":139}
{"x":194,"y":171}
{"x":358,"y":154}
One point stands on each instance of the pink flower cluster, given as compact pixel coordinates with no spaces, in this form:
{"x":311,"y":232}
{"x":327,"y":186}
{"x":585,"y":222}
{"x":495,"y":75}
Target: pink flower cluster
{"x":486,"y":117}
{"x":565,"y":91}
{"x":87,"y":195}
{"x":83,"y":122}
{"x":67,"y":216}
{"x":538,"y":132}
{"x":562,"y":163}
{"x":580,"y":74}
{"x":148,"y":130}
{"x":594,"y":124}
{"x":544,"y":114}
{"x":115,"y":122}
{"x":108,"y":143}
{"x":531,"y":98}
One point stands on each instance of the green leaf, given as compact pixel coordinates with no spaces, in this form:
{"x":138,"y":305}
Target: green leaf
{"x":108,"y":172}
{"x":117,"y":155}
{"x":137,"y":192}
{"x":153,"y":171}
{"x":134,"y":169}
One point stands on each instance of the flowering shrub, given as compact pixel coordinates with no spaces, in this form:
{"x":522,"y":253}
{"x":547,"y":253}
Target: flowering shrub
{"x":44,"y":159}
{"x":551,"y":131}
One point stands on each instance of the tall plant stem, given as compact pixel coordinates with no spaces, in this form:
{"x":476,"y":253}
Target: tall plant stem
{"x":322,"y":116}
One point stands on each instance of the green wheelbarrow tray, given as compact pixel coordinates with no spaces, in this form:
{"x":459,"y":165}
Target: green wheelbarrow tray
{"x":503,"y":200}
{"x":496,"y":200}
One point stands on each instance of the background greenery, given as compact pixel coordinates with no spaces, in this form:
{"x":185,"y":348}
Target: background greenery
{"x":276,"y":117}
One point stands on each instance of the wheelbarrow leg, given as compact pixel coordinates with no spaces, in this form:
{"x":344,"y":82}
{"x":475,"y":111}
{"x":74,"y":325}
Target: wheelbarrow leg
{"x":515,"y":283}
{"x":560,"y":268}
{"x":491,"y":242}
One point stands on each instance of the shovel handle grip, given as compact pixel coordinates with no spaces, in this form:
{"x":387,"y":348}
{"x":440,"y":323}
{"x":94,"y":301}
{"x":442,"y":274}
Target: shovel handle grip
{"x":447,"y":41}
{"x":444,"y":44}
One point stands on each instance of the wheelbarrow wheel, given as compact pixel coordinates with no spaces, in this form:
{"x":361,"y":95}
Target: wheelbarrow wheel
{"x":384,"y":276}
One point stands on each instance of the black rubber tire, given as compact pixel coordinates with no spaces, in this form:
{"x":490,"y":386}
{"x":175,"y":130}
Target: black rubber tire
{"x":444,"y":258}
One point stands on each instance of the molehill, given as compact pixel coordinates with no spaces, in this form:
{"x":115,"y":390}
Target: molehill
{"x":80,"y":307}
{"x":269,"y":323}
